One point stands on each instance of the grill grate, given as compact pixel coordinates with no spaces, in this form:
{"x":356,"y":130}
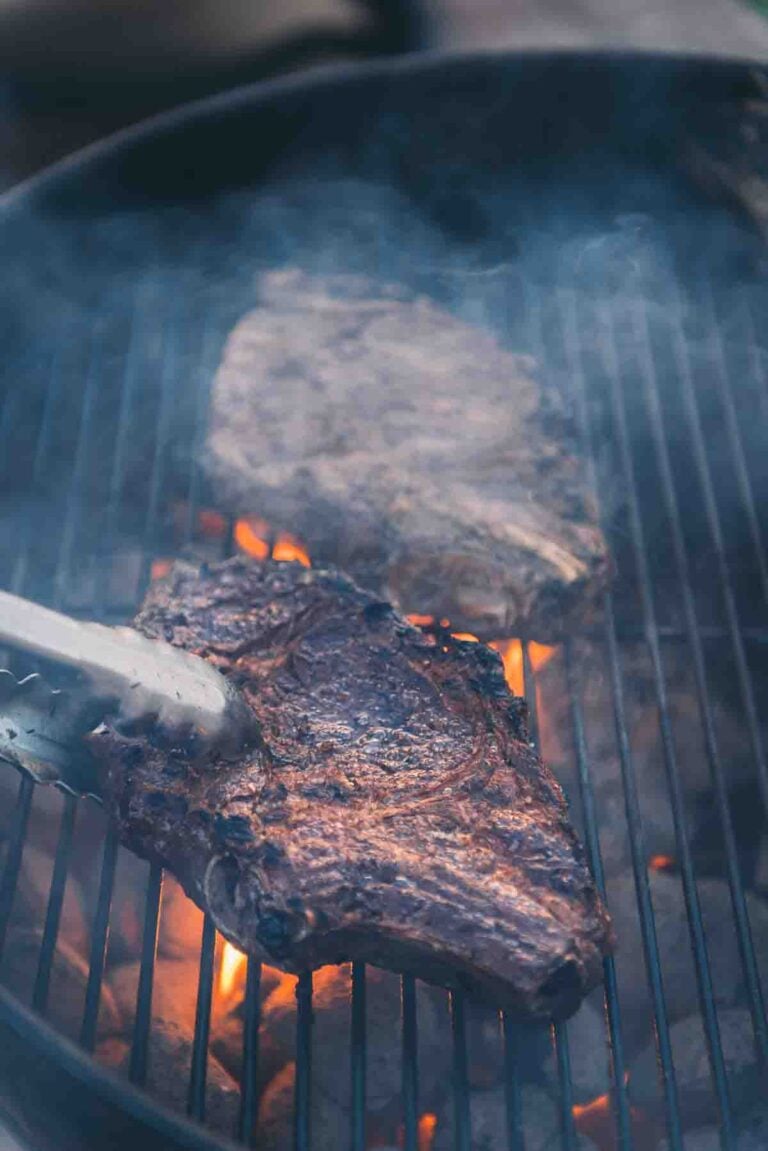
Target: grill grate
{"x":661,"y":373}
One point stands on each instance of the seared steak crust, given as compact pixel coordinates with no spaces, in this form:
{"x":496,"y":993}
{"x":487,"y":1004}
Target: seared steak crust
{"x":394,"y":810}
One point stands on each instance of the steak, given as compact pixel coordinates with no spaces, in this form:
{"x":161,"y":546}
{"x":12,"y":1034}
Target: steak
{"x":410,"y":449}
{"x":393,"y":811}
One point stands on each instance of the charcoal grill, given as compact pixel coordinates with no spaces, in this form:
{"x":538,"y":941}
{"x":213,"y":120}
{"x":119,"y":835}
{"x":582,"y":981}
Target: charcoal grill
{"x":564,"y":201}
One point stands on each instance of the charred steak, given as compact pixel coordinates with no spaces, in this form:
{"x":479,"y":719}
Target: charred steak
{"x":394,"y":812}
{"x":408,"y":447}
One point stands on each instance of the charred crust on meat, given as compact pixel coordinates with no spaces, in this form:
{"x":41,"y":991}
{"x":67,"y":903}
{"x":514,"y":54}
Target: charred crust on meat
{"x":394,"y":811}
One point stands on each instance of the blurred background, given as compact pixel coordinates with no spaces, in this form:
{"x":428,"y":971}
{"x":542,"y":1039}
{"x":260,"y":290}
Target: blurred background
{"x":74,"y":70}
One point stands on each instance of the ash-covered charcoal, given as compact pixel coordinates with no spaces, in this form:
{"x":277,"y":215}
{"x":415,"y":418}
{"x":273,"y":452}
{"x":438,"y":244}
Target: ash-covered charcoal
{"x":410,"y":448}
{"x":693,"y":1072}
{"x":174,"y":1000}
{"x":68,"y":982}
{"x":331,"y":1128}
{"x":168,"y":1069}
{"x":331,"y":1012}
{"x":673,"y":936}
{"x":489,"y":1121}
{"x":31,"y":900}
{"x":394,"y":812}
{"x":751,"y":1135}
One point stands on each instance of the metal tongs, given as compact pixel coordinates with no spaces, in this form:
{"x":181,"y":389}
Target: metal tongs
{"x":108,"y":674}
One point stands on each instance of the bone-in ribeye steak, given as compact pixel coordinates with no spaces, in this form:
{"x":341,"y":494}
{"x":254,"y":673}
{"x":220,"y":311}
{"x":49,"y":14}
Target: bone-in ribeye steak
{"x":411,"y":449}
{"x":395,"y":811}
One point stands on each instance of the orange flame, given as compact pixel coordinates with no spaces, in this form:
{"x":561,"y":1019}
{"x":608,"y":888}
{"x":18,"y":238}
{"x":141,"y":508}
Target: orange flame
{"x":159,"y":569}
{"x":231,"y":969}
{"x":249,"y":541}
{"x":425,"y":1133}
{"x":511,"y":652}
{"x":420,"y":620}
{"x":288,"y":548}
{"x":661,"y":863}
{"x":252,"y":537}
{"x":466,"y":636}
{"x":594,"y":1120}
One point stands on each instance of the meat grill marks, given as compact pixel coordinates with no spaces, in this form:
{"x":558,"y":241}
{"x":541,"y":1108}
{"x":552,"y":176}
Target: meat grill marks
{"x":395,"y":811}
{"x":409,"y":448}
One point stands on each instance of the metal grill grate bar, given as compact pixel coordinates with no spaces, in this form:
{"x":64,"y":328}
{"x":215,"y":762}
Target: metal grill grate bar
{"x":55,"y":902}
{"x":559,"y":1031}
{"x":619,"y":1097}
{"x":631,"y":802}
{"x":249,"y":1100}
{"x":41,"y":458}
{"x":462,"y":1138}
{"x":303,"y":1093}
{"x":13,"y":854}
{"x":735,"y":442}
{"x":746,"y":947}
{"x":695,"y":923}
{"x":683,"y":372}
{"x":358,"y":1057}
{"x":410,"y":1064}
{"x":515,"y":1137}
{"x":199,"y":1068}
{"x":99,"y":941}
{"x":142,"y":1022}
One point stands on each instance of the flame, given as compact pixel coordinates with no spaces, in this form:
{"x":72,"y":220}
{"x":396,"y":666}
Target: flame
{"x":596,"y":1120}
{"x":231,"y":969}
{"x":249,"y":541}
{"x":159,"y":569}
{"x":288,"y":548}
{"x":252,"y":537}
{"x":662,"y":863}
{"x":511,"y":652}
{"x":420,"y":620}
{"x":425,"y":1133}
{"x":466,"y":636}
{"x":585,"y":1111}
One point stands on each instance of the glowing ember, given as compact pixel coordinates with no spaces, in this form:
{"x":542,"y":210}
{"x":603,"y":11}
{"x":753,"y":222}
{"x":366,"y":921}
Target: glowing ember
{"x":212,"y":524}
{"x":466,"y":636}
{"x":594,"y":1119}
{"x":426,"y":1131}
{"x":159,"y":569}
{"x":661,"y":863}
{"x":420,"y":620}
{"x":288,"y":548}
{"x":231,"y":969}
{"x":248,"y":537}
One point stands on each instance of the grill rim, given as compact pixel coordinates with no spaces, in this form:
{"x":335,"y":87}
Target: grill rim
{"x":45,"y":1041}
{"x":329,"y":76}
{"x":78,"y":166}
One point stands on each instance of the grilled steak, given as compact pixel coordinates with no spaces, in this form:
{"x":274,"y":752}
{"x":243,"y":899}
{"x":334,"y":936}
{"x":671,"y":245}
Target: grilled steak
{"x":394,"y":811}
{"x":408,"y":447}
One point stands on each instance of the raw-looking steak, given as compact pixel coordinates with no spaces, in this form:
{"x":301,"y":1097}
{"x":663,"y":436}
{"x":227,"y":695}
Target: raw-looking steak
{"x":409,"y":448}
{"x":394,"y":812}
